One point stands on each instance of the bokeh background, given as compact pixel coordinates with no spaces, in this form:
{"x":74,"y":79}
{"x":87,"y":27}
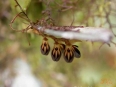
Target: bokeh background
{"x":95,"y":68}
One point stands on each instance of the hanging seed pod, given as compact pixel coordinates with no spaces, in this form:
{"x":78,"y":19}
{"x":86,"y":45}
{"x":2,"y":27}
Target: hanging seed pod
{"x":62,"y":47}
{"x":45,"y":47}
{"x":69,"y":54}
{"x":77,"y":53}
{"x":56,"y":52}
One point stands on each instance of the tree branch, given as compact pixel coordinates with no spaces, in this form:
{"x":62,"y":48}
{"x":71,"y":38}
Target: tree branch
{"x":81,"y":33}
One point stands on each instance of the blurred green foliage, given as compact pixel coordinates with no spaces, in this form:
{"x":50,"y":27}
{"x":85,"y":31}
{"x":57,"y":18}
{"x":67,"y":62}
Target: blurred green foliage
{"x":89,"y":71}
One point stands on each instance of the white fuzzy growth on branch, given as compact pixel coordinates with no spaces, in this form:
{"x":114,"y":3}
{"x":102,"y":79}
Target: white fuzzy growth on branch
{"x":83,"y":33}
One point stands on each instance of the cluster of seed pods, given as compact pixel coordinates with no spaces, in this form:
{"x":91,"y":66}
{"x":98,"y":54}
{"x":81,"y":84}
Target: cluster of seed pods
{"x":68,"y":50}
{"x":59,"y":49}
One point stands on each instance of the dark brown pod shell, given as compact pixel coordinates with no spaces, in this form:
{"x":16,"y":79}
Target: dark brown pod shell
{"x":45,"y":47}
{"x":62,"y":46}
{"x":69,"y":54}
{"x":77,"y":53}
{"x":56,"y":52}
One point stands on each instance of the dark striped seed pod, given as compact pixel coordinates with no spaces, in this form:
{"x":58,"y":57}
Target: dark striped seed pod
{"x":77,"y":53}
{"x":45,"y":47}
{"x":56,"y":52}
{"x":62,"y":47}
{"x":69,"y":54}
